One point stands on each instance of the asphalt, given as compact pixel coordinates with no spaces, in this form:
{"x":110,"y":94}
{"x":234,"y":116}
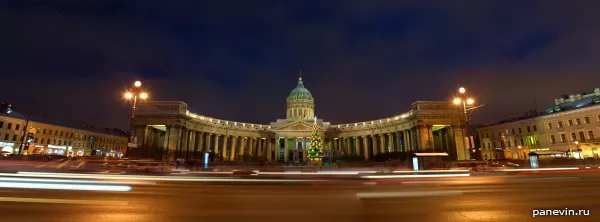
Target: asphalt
{"x":483,"y":198}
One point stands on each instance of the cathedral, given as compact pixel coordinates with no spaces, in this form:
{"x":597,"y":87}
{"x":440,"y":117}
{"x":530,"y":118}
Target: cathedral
{"x":168,"y":130}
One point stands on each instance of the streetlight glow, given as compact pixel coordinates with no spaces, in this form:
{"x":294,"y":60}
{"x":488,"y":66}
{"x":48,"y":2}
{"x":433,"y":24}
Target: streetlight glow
{"x":470,"y":101}
{"x":576,"y":142}
{"x":128,"y":95}
{"x":457,"y":101}
{"x":143,"y":95}
{"x":137,"y":84}
{"x":462,"y":90}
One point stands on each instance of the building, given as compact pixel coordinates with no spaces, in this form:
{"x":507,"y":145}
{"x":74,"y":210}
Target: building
{"x":53,"y":138}
{"x":570,"y":126}
{"x":168,"y":130}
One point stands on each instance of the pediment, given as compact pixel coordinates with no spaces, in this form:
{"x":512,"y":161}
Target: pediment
{"x":296,"y":126}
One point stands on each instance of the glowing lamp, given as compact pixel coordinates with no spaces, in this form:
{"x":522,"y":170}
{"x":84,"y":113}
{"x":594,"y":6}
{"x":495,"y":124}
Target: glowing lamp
{"x":457,"y":101}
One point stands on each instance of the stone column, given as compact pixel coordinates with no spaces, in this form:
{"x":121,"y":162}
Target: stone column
{"x":374,"y":144}
{"x":243,"y":146}
{"x":233,"y":148}
{"x":277,"y":145}
{"x":259,"y":150}
{"x":462,"y":153}
{"x":216,"y":142}
{"x":413,"y":140}
{"x":285,"y":149}
{"x":365,"y":146}
{"x":356,"y":146}
{"x":391,"y":143}
{"x":382,"y":148}
{"x":424,"y":139}
{"x":224,"y":155}
{"x":269,"y":151}
{"x":206,"y":143}
{"x":184,"y":142}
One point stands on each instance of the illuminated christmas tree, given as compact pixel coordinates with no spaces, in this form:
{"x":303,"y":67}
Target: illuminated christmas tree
{"x":315,"y":149}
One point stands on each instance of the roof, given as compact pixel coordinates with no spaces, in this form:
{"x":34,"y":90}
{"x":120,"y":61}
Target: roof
{"x":300,"y":92}
{"x":90,"y":128}
{"x":564,"y":107}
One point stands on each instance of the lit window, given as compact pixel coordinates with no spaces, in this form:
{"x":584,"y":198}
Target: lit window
{"x":552,"y":139}
{"x":591,"y":135}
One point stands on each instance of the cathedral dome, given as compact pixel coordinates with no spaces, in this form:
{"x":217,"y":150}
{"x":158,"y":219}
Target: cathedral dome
{"x":300,"y":93}
{"x":300,"y":103}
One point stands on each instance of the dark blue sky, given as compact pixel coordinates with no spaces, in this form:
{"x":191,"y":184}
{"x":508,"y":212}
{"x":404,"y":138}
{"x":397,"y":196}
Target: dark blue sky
{"x":238,"y":60}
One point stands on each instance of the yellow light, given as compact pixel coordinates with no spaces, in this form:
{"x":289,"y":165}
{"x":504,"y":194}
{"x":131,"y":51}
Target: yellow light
{"x":143,"y":95}
{"x":137,"y":84}
{"x":576,"y":142}
{"x":128,"y":95}
{"x":470,"y":101}
{"x":457,"y":101}
{"x":462,"y":90}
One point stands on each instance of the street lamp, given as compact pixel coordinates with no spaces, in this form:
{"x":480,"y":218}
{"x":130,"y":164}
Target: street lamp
{"x":130,"y":94}
{"x":467,"y":104}
{"x":576,"y":148}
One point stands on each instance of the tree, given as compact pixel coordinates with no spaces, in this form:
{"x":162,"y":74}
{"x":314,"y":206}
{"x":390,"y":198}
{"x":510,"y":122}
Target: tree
{"x":315,"y":149}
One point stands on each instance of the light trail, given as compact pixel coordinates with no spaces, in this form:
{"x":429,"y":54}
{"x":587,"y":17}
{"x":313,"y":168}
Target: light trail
{"x":61,"y":201}
{"x":153,"y":178}
{"x":59,"y":186}
{"x":406,"y":194}
{"x":539,"y":169}
{"x":431,"y":171}
{"x":16,"y":179}
{"x":415,"y":176}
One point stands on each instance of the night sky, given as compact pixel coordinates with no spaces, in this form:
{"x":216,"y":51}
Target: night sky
{"x":238,"y":60}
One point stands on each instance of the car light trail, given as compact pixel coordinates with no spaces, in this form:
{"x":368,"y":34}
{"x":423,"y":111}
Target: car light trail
{"x":431,"y":171}
{"x":61,"y":201}
{"x":154,"y":178}
{"x":414,"y":176}
{"x":59,"y":186}
{"x":539,"y":169}
{"x":406,"y":194}
{"x":13,"y":179}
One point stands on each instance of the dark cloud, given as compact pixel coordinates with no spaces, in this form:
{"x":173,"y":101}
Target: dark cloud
{"x":239,"y":59}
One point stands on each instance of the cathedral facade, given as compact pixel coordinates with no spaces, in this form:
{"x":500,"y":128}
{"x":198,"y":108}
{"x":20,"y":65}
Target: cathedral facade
{"x":168,"y":130}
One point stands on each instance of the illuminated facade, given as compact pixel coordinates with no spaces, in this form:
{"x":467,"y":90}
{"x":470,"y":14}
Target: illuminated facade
{"x":571,"y":126}
{"x":58,"y":139}
{"x":168,"y":130}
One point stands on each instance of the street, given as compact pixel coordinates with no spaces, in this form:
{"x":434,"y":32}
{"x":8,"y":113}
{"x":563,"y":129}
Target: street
{"x":480,"y":198}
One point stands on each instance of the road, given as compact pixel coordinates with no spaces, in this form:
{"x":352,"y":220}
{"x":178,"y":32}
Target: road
{"x":483,"y":198}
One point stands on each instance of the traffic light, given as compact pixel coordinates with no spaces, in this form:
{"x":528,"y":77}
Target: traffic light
{"x":6,"y":108}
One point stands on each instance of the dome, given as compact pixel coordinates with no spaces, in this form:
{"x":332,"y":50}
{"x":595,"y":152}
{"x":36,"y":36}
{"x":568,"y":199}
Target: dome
{"x":300,"y":103}
{"x":300,"y":93}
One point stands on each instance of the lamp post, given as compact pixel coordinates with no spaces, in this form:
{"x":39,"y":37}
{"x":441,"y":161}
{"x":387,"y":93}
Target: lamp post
{"x":576,"y":148}
{"x":467,"y":103}
{"x":133,"y":94}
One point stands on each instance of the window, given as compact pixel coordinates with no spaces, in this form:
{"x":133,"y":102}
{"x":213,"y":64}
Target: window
{"x":582,"y":136}
{"x":17,"y":127}
{"x":573,"y":136}
{"x":549,"y":126}
{"x":515,"y":142}
{"x":49,"y":132}
{"x":44,"y":131}
{"x":42,"y":141}
{"x":59,"y":142}
{"x":570,"y":122}
{"x":578,"y":120}
{"x":15,"y":137}
{"x":534,"y":128}
{"x":520,"y":130}
{"x":552,"y":139}
{"x":71,"y":135}
{"x":9,"y":126}
{"x":513,"y":131}
{"x":6,"y":136}
{"x":529,"y":129}
{"x":522,"y":141}
{"x":61,"y":134}
{"x":563,"y":138}
{"x":591,"y":135}
{"x":56,"y":133}
{"x":560,"y":124}
{"x":508,"y":143}
{"x":2,"y":123}
{"x":587,"y":120}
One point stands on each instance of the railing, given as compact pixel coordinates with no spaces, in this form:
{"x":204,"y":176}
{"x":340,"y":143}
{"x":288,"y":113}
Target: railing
{"x":384,"y":121}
